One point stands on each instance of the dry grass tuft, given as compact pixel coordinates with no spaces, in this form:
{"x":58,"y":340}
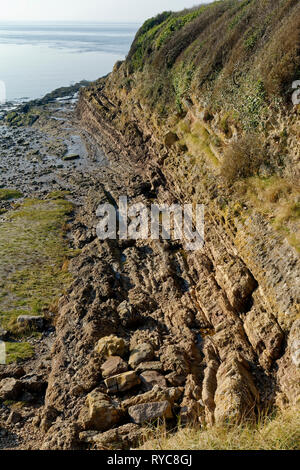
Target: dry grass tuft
{"x":280,"y":431}
{"x":243,"y":158}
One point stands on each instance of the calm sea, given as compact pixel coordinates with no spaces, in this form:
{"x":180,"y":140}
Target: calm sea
{"x":37,"y":58}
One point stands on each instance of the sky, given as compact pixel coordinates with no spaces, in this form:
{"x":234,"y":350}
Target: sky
{"x":89,"y":10}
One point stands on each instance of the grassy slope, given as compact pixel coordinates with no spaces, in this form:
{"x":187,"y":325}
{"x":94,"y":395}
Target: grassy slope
{"x":236,"y":61}
{"x":238,"y":54}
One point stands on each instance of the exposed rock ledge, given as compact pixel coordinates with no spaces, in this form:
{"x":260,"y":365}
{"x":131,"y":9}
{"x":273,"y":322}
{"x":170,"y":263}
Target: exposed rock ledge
{"x":215,"y":332}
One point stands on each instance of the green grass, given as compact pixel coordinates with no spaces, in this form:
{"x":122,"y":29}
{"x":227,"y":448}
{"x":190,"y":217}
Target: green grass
{"x":243,"y":56}
{"x":33,"y":259}
{"x":8,"y":194}
{"x":157,"y":31}
{"x":175,"y":24}
{"x":17,"y":352}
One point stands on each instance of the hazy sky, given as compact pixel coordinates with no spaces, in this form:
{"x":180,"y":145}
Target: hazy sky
{"x":89,"y":10}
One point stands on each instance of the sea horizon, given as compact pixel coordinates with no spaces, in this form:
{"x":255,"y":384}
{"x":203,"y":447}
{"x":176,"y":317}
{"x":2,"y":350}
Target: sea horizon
{"x":50,"y":54}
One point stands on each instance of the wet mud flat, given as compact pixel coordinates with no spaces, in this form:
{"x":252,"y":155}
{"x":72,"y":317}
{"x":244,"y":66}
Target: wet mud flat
{"x":43,"y":157}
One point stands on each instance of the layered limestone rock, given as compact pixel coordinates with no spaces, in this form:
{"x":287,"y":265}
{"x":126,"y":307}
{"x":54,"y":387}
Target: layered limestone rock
{"x":230,"y":325}
{"x":150,"y":329}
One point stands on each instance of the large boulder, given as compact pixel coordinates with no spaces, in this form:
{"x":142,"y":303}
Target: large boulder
{"x":10,"y":389}
{"x":150,"y":411}
{"x":143,"y":352}
{"x":122,"y":382}
{"x":110,"y":346}
{"x":101,"y":412}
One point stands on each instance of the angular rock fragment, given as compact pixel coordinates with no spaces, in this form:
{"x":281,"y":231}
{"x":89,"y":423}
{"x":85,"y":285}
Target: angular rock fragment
{"x":175,"y":380}
{"x":150,"y":378}
{"x":122,"y":438}
{"x":143,"y":352}
{"x":34,"y":384}
{"x":12,"y":370}
{"x":114,"y":365}
{"x":14,"y":418}
{"x":175,"y":360}
{"x":128,"y":315}
{"x":122,"y":382}
{"x":157,"y":394}
{"x":150,"y":411}
{"x":152,"y":365}
{"x":10,"y":389}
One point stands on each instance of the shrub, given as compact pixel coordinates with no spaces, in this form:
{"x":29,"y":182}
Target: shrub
{"x":243,"y":158}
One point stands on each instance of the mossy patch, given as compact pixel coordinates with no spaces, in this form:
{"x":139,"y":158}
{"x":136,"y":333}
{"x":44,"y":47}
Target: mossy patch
{"x":198,"y":141}
{"x":34,"y":251}
{"x":17,"y":352}
{"x":21,"y":119}
{"x":8,"y":194}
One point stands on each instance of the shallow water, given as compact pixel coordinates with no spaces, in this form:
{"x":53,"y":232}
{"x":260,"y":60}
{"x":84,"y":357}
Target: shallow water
{"x":37,"y":58}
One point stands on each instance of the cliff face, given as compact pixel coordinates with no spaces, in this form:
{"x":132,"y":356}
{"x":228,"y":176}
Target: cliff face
{"x":199,"y":112}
